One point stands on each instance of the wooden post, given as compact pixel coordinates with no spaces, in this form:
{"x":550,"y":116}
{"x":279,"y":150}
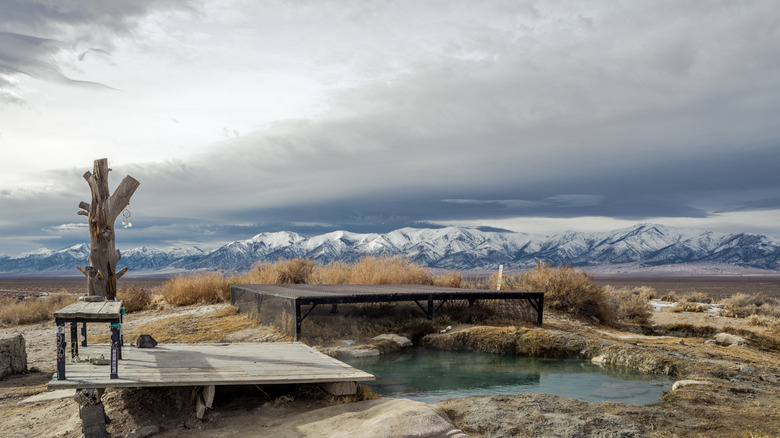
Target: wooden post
{"x":102,"y":213}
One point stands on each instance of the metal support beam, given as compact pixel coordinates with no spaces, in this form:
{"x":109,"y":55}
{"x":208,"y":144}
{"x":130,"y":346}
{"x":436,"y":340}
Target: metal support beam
{"x":60,"y":350}
{"x":74,"y":340}
{"x":299,"y":319}
{"x":421,"y":307}
{"x":115,"y":350}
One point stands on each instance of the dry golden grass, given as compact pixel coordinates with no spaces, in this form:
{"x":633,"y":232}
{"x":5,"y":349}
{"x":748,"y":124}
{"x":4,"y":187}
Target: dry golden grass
{"x":197,"y":328}
{"x":630,"y":306}
{"x":202,"y":288}
{"x":696,"y":297}
{"x":283,"y":271}
{"x":567,"y":290}
{"x":449,"y":279}
{"x":742,"y":305}
{"x":134,"y":299}
{"x":29,"y":310}
{"x":388,"y":270}
{"x":333,"y":273}
{"x":368,"y":270}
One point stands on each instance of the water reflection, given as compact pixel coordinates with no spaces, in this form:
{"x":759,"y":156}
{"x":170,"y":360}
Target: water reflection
{"x":431,"y":376}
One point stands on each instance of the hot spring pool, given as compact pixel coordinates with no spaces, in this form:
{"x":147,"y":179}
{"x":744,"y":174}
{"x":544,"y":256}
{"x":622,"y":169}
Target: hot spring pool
{"x":431,"y":376}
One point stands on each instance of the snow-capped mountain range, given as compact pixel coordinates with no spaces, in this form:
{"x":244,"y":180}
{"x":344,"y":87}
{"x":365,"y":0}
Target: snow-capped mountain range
{"x":642,"y":247}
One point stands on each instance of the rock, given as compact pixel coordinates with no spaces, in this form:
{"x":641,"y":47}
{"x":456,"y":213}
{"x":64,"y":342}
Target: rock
{"x":13,"y":355}
{"x":145,"y":341}
{"x":749,"y":371}
{"x":683,"y":383}
{"x":350,"y":352}
{"x":376,"y":418}
{"x":600,"y":359}
{"x":144,"y":432}
{"x":347,"y":342}
{"x":402,"y":341}
{"x":340,"y":388}
{"x":537,"y":415}
{"x":727,"y":339}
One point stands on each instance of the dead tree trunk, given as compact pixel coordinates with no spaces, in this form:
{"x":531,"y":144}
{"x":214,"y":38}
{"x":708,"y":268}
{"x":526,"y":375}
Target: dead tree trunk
{"x":102,"y":212}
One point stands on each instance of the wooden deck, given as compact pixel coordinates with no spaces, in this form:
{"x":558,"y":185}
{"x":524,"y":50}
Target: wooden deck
{"x":281,"y":305}
{"x":209,"y":364}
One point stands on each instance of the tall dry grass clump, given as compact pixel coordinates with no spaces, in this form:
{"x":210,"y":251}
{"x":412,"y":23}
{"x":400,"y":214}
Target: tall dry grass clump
{"x":389,"y":270}
{"x":134,"y":299}
{"x":368,"y":270}
{"x":332,"y":273}
{"x":630,"y":305}
{"x":201,"y":288}
{"x":283,"y":271}
{"x":449,"y":279}
{"x":30,"y":310}
{"x":742,"y":305}
{"x":568,"y":290}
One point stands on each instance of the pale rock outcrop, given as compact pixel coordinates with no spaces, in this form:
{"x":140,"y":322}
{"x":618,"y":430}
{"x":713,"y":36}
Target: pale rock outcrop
{"x":13,"y":355}
{"x":402,"y":341}
{"x":727,"y":339}
{"x":683,"y":383}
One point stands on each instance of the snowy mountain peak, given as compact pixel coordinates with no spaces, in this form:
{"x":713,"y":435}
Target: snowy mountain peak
{"x":642,"y":246}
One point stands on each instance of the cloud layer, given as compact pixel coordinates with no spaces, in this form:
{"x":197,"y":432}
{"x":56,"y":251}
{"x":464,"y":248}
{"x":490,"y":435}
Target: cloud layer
{"x":373,"y":116}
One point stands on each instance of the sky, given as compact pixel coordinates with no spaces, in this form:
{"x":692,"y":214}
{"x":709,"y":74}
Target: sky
{"x":241,"y":116}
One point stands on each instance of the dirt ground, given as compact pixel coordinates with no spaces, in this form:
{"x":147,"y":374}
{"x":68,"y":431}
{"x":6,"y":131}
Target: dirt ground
{"x":740,"y":396}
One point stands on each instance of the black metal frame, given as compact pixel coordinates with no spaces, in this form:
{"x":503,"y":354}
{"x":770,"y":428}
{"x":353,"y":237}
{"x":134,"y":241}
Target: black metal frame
{"x":536,"y":299}
{"x":116,"y":340}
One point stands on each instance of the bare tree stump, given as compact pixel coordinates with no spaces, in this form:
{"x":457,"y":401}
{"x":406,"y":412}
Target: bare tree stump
{"x":102,"y":213}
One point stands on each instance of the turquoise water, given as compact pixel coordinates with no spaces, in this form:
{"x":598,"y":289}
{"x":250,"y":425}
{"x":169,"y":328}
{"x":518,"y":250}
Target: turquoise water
{"x":431,"y":376}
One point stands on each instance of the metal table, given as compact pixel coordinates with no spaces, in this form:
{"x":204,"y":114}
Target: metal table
{"x":88,"y":312}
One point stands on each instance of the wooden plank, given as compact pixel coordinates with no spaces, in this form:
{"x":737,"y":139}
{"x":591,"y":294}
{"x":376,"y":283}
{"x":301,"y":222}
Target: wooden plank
{"x":101,"y":311}
{"x":71,"y":310}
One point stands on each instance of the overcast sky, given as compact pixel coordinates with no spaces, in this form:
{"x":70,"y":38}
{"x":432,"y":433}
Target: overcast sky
{"x":239,"y":117}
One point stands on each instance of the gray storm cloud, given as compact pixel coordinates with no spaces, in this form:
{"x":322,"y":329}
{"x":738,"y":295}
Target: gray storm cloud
{"x":612,"y":109}
{"x":33,"y":33}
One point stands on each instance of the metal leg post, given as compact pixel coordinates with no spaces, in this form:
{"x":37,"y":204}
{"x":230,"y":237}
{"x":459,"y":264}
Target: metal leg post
{"x":60,"y":350}
{"x":74,"y":340}
{"x":114,"y":351}
{"x":83,"y":334}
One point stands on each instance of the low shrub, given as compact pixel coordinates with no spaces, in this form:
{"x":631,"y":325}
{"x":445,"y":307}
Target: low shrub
{"x":569,"y":291}
{"x":742,"y":305}
{"x":201,"y":288}
{"x":696,"y":297}
{"x":134,"y":299}
{"x":630,"y":306}
{"x":670,"y":297}
{"x":688,"y":306}
{"x":760,"y":321}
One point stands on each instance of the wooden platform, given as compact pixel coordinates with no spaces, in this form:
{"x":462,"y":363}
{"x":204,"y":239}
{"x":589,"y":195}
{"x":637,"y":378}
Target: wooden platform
{"x":280,"y":305}
{"x":210,"y":364}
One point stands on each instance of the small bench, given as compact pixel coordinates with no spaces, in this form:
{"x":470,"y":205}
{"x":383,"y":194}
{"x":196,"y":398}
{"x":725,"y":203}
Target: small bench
{"x":88,"y":312}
